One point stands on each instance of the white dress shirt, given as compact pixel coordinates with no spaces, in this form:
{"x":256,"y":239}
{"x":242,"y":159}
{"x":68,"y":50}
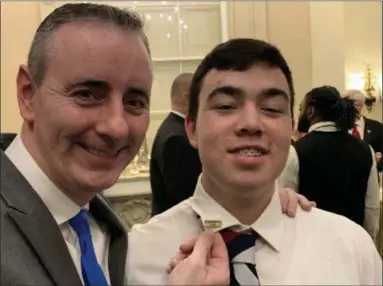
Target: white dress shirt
{"x":314,"y":248}
{"x":61,"y":207}
{"x":290,"y":179}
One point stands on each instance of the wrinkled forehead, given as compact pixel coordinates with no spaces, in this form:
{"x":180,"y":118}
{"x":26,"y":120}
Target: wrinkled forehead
{"x":100,"y":51}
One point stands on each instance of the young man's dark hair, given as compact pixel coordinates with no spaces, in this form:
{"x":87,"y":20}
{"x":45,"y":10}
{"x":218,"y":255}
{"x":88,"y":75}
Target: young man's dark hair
{"x":234,"y":55}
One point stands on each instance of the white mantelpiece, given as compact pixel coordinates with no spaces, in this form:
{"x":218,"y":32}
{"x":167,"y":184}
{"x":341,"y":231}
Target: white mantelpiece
{"x":129,"y":187}
{"x":131,"y":199}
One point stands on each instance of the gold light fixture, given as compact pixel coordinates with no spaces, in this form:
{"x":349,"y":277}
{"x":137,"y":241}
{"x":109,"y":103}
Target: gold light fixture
{"x":139,"y":168}
{"x":371,"y":89}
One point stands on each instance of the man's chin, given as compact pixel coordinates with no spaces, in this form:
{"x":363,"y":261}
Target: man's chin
{"x":96,"y":183}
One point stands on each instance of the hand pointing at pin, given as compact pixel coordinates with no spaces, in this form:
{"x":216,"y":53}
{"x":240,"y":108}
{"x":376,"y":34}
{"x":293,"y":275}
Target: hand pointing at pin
{"x":201,"y":261}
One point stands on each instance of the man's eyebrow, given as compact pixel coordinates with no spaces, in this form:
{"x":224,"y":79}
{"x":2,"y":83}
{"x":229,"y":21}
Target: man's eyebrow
{"x":238,"y":92}
{"x":272,"y":92}
{"x":88,"y":83}
{"x":138,"y":90}
{"x":227,"y":90}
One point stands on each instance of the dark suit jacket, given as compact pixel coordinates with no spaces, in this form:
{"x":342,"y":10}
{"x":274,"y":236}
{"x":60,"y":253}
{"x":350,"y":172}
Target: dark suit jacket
{"x":6,"y":139}
{"x":174,"y":165}
{"x":33,"y":251}
{"x":373,"y":135}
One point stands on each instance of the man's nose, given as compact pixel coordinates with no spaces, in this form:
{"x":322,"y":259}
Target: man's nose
{"x":113,"y":123}
{"x":249,"y":122}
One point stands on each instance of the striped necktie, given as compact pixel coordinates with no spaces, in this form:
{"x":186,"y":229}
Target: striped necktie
{"x":241,"y":249}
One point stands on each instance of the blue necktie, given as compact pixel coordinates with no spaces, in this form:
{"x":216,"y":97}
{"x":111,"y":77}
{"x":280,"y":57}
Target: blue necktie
{"x":241,"y":249}
{"x":91,"y":271}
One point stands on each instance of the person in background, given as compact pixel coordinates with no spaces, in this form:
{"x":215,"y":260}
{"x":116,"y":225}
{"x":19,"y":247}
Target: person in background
{"x":239,"y":119}
{"x":332,"y":167}
{"x":174,"y":163}
{"x":84,"y":101}
{"x":366,"y":129}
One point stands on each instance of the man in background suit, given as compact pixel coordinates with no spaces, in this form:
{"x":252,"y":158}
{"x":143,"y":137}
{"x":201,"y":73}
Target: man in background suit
{"x":367,"y":129}
{"x":174,"y":163}
{"x":84,"y":103}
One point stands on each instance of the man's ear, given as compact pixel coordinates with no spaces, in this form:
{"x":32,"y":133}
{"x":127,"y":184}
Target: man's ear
{"x":185,"y":98}
{"x":25,"y":94}
{"x":190,"y":127}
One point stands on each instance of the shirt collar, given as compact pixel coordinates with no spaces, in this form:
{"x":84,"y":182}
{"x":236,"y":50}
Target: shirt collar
{"x":359,"y":121}
{"x":269,"y":225}
{"x":61,"y":207}
{"x":325,"y":126}
{"x":178,"y":113}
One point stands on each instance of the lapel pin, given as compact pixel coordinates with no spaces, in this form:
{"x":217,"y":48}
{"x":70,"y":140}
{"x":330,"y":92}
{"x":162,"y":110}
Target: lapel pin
{"x":212,"y":224}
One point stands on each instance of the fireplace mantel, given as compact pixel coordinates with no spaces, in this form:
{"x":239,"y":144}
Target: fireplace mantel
{"x":131,"y":199}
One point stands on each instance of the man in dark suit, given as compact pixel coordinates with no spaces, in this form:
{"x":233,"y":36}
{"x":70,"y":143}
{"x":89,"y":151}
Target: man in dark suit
{"x":174,"y":163}
{"x":85,"y":115}
{"x":366,"y":129}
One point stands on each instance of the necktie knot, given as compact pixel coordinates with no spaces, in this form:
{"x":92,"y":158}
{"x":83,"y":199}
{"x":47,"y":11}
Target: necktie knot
{"x":238,"y":242}
{"x":80,"y":222}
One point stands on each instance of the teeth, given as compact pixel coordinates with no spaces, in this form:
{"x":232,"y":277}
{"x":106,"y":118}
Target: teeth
{"x":250,"y":152}
{"x":101,"y":153}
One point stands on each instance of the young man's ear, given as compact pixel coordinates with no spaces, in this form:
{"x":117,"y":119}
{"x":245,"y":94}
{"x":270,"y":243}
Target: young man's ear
{"x":190,"y":127}
{"x":25,"y":93}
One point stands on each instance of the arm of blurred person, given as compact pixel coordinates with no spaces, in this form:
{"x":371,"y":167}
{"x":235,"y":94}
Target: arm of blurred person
{"x":180,"y":169}
{"x":371,"y":207}
{"x":289,"y":177}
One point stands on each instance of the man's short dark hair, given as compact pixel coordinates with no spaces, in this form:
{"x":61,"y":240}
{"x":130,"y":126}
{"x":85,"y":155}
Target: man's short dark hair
{"x":237,"y":55}
{"x":40,"y":52}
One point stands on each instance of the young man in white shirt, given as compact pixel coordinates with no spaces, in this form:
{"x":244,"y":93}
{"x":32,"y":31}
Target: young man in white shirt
{"x":239,"y":118}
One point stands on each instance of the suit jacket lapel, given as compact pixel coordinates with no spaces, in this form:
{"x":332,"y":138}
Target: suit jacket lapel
{"x":37,"y":224}
{"x":102,"y":211}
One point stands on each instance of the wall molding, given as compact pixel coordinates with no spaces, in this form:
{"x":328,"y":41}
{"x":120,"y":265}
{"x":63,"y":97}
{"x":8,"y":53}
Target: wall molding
{"x":259,"y":20}
{"x":247,"y":19}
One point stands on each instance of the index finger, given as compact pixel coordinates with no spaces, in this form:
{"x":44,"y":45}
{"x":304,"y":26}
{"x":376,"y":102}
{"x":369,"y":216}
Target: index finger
{"x":219,"y":249}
